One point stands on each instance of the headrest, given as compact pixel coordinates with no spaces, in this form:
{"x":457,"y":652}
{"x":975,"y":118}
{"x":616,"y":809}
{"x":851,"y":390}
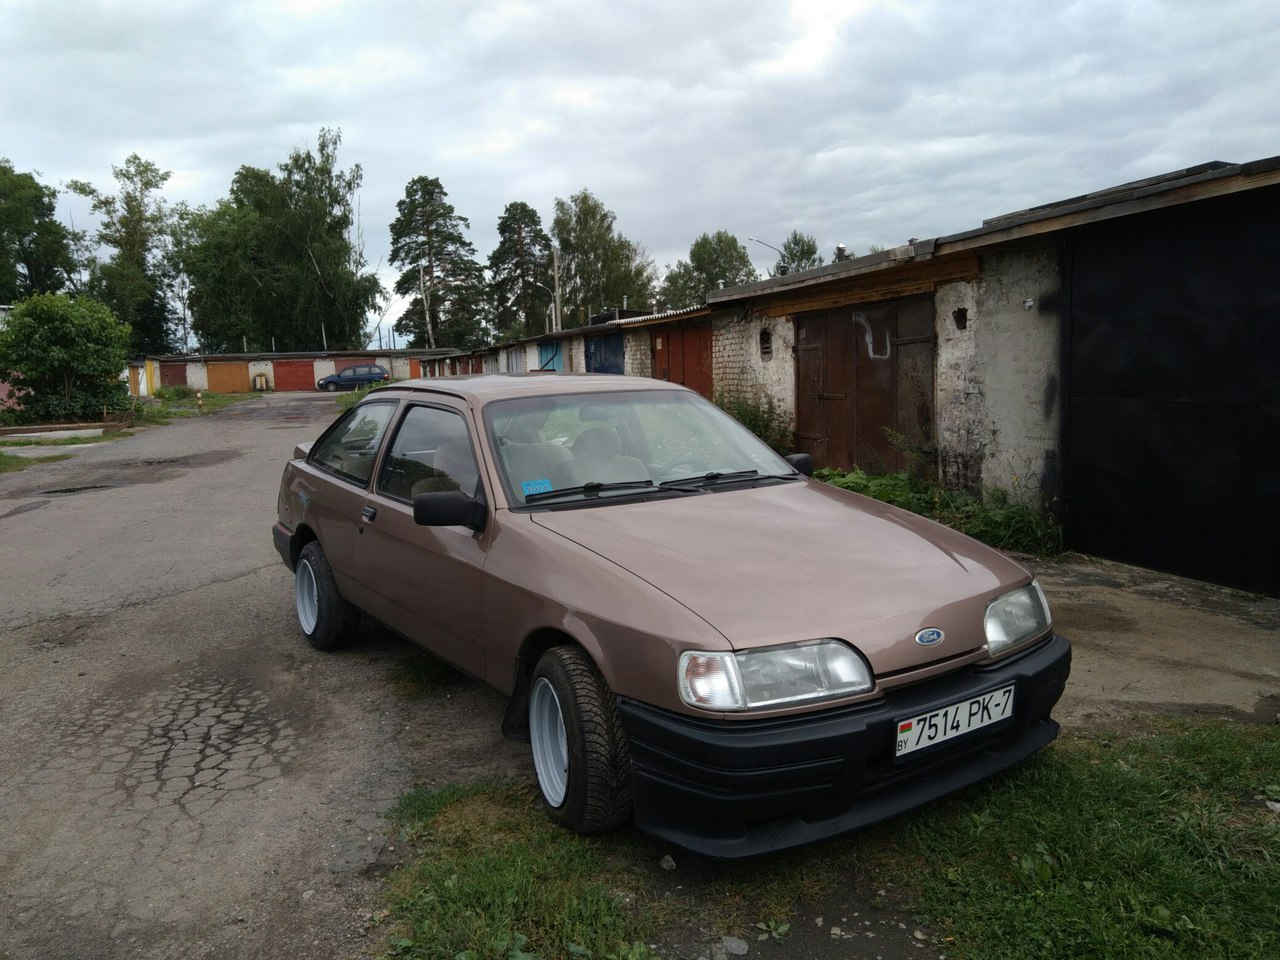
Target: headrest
{"x":597,"y":443}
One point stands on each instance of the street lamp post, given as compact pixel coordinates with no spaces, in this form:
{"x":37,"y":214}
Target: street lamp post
{"x":783,"y":266}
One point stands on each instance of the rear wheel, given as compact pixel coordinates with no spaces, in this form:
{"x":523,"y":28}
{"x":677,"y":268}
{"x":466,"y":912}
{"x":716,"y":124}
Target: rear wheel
{"x":580,"y":753}
{"x":326,"y":619}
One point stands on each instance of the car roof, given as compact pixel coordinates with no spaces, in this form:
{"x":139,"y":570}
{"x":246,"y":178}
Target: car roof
{"x":482,"y":388}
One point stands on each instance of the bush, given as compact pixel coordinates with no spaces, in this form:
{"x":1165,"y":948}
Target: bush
{"x":761,"y":416}
{"x":179,"y":391}
{"x":62,"y":357}
{"x":997,"y":519}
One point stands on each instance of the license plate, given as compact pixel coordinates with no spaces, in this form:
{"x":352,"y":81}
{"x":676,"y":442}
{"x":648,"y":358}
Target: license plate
{"x":953,"y":720}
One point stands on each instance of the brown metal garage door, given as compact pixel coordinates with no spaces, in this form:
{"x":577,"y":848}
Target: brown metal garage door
{"x":295,"y":374}
{"x":173,"y":374}
{"x":229,"y":376}
{"x":862,"y":371}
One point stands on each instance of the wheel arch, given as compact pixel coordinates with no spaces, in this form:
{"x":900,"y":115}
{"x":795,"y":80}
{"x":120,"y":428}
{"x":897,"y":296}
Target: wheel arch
{"x":300,"y":538}
{"x":515,"y":722}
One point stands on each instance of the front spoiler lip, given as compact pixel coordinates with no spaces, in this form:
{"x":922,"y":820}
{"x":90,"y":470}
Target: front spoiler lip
{"x":740,"y":788}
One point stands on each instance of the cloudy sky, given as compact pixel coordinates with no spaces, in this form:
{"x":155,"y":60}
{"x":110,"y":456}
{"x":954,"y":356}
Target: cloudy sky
{"x":860,"y":121}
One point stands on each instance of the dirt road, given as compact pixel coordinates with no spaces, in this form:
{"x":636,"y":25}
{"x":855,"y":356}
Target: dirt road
{"x":182,"y":776}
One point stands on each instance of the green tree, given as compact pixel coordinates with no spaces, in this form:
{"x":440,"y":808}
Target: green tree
{"x":35,"y":253}
{"x":599,"y":267}
{"x":133,"y":223}
{"x":63,"y":357}
{"x":799,"y":253}
{"x":714,"y":259}
{"x":276,"y":264}
{"x":440,"y":272}
{"x":520,"y":279}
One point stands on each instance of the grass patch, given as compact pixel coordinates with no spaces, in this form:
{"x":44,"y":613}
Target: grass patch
{"x":1153,"y":841}
{"x":18,"y":440}
{"x":349,"y":398}
{"x":498,"y":881}
{"x":12,"y":464}
{"x":167,"y":405}
{"x":417,"y":675}
{"x":996,"y":519}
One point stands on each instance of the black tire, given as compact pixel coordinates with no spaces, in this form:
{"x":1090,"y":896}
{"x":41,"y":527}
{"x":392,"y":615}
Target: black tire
{"x":327,"y":621}
{"x":584,"y":781}
{"x":331,"y":387}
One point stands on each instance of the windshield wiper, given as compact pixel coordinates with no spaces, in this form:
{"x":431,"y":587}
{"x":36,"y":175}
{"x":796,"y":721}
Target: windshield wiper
{"x":716,"y":477}
{"x":589,"y":489}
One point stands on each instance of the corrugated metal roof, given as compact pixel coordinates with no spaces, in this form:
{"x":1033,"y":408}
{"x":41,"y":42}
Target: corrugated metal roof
{"x":1168,"y":189}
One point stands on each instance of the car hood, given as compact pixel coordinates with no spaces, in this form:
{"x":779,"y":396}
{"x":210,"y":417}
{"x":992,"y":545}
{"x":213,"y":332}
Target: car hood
{"x":803,"y":560}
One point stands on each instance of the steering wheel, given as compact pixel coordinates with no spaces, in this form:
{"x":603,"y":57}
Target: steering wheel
{"x":692,"y":463}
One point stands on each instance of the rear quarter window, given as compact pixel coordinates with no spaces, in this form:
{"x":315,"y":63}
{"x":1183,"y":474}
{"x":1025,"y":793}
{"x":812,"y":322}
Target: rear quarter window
{"x":350,"y":447}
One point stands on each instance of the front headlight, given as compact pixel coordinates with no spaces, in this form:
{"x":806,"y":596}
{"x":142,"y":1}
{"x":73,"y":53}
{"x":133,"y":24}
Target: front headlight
{"x":1018,"y":616}
{"x":778,"y":676}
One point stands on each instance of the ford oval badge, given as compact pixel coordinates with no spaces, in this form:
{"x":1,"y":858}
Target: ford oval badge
{"x":930,"y":636}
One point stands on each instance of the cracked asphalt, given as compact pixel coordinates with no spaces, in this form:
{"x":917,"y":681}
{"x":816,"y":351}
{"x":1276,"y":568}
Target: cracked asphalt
{"x":181,"y":775}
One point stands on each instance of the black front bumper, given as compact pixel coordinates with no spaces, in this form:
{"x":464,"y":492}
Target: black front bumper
{"x":739,"y":788}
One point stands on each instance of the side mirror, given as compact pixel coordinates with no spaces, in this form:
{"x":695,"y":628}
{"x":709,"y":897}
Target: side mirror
{"x":802,"y":462}
{"x":449,"y":508}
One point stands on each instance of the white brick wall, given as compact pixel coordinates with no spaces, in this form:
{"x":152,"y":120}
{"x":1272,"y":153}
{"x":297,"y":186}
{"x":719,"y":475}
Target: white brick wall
{"x":637,"y":352}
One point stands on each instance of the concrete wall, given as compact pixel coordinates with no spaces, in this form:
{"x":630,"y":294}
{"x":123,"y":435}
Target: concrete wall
{"x":739,"y":367}
{"x":264,"y":367}
{"x":997,"y":391}
{"x":576,"y":355}
{"x":637,"y":353}
{"x":198,"y":375}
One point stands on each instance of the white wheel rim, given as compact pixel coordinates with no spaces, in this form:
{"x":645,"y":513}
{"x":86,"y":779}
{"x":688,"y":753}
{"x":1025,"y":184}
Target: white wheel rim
{"x":548,"y":742}
{"x":306,"y":597}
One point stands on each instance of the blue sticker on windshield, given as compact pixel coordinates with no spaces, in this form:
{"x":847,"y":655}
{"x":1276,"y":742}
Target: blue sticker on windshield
{"x":535,"y":486}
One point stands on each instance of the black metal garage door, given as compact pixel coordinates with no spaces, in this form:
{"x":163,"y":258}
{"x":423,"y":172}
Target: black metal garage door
{"x":1173,"y":429}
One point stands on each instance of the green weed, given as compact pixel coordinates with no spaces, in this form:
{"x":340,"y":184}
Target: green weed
{"x":759,"y":414}
{"x":997,"y":519}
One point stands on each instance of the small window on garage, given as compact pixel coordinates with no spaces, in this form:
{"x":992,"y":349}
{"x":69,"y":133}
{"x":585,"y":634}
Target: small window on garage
{"x":351,"y":446}
{"x":430,"y":452}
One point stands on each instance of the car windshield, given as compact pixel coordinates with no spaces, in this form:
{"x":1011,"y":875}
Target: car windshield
{"x":602,"y":446}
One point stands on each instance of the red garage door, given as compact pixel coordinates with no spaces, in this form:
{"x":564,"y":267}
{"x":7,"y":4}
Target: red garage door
{"x":295,"y":374}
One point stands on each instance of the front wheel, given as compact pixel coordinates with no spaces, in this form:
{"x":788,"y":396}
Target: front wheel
{"x":331,"y":387}
{"x":580,"y":753}
{"x":326,"y":619}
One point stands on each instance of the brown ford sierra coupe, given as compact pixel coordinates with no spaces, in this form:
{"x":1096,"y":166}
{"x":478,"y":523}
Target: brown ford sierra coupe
{"x":691,"y":631}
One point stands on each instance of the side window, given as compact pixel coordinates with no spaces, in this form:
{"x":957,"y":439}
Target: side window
{"x":431,"y":452}
{"x":351,"y":446}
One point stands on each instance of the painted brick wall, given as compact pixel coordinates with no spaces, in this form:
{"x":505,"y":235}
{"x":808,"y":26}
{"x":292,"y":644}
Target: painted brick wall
{"x":739,"y":366}
{"x":637,"y":353}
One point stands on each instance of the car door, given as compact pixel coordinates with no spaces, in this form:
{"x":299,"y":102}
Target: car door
{"x":424,"y":582}
{"x":333,"y":485}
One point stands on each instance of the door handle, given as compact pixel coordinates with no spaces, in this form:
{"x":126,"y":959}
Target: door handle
{"x":369,"y":513}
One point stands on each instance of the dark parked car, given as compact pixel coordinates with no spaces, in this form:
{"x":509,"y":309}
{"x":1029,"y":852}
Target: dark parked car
{"x":690,"y":630}
{"x":349,"y":378}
